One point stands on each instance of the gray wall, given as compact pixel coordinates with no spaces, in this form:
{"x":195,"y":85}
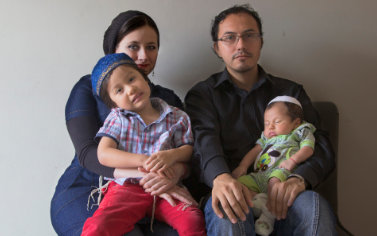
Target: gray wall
{"x":46,"y":45}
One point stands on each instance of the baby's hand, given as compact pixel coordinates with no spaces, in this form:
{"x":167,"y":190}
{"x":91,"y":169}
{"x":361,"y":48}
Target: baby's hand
{"x":287,"y":164}
{"x":239,"y":171}
{"x":159,"y":161}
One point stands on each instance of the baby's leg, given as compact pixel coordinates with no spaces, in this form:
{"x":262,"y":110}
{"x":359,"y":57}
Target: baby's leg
{"x":187,"y":220}
{"x":250,"y":182}
{"x":264,"y":225}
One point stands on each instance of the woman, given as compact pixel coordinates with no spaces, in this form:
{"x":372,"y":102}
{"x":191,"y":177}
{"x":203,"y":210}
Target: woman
{"x":137,"y":35}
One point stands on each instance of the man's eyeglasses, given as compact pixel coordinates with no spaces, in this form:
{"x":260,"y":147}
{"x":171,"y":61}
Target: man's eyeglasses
{"x":232,"y":38}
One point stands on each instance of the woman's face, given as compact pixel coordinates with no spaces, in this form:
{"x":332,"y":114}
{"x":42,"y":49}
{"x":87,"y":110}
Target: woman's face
{"x":141,"y":45}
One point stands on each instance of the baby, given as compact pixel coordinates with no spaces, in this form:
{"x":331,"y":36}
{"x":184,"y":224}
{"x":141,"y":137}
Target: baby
{"x":286,"y":142}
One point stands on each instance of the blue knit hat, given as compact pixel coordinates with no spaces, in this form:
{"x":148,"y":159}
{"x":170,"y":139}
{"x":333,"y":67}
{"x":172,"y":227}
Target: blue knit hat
{"x":104,"y":67}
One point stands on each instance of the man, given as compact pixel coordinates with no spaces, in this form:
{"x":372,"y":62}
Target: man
{"x":226,"y":111}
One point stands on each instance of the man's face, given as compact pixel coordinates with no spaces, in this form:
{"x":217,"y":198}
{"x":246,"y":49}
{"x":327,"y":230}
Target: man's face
{"x":243,"y":54}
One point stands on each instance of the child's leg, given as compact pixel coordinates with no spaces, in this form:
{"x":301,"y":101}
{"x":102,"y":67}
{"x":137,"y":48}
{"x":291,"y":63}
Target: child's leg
{"x":121,"y":208}
{"x":187,"y":221}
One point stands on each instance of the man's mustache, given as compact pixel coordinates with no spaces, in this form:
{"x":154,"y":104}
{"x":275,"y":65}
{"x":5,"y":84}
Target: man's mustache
{"x":242,"y":53}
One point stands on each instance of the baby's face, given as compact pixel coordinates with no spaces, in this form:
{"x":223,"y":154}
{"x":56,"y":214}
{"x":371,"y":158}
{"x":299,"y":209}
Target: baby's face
{"x":277,"y":122}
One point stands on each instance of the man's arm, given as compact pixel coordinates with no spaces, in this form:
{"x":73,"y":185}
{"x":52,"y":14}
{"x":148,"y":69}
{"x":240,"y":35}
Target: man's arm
{"x":322,"y":162}
{"x":208,"y":150}
{"x":234,"y":197}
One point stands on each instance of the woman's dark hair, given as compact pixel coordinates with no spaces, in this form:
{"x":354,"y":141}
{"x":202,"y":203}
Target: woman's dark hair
{"x":122,"y":25}
{"x":245,"y":8}
{"x":294,"y":110}
{"x":104,"y":95}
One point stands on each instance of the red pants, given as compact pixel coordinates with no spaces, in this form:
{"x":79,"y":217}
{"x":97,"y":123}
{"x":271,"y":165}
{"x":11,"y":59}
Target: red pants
{"x":123,"y":206}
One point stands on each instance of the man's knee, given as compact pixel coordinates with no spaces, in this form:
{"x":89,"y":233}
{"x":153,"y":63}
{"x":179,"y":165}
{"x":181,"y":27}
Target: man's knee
{"x":223,"y":226}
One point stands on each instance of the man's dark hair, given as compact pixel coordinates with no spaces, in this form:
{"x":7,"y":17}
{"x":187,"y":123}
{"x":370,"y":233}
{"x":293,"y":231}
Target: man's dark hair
{"x":245,"y":8}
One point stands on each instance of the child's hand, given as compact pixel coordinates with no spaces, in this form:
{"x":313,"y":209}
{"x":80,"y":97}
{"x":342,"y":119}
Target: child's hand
{"x":288,"y":164}
{"x":159,"y":161}
{"x":239,"y":171}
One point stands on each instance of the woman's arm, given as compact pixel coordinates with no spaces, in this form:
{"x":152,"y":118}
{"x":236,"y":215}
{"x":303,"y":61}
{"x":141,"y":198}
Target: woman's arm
{"x":82,"y":122}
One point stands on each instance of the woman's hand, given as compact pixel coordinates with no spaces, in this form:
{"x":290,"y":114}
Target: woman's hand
{"x":168,"y":173}
{"x":179,"y":193}
{"x":157,"y":184}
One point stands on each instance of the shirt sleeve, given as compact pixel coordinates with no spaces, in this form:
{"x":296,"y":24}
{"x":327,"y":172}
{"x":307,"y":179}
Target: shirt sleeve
{"x":261,"y":141}
{"x":82,"y":125}
{"x":305,"y":135}
{"x":112,"y":127}
{"x":183,"y":133}
{"x":208,"y":152}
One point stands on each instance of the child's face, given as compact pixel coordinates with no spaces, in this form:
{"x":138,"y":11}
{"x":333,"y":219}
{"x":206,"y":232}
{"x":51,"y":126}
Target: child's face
{"x":128,"y":89}
{"x":278,"y":122}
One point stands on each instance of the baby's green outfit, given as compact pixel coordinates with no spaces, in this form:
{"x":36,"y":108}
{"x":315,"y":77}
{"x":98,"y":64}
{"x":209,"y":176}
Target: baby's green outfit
{"x":274,"y":151}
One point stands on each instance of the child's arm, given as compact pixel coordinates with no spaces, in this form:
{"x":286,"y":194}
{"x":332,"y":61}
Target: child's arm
{"x":161,"y":160}
{"x":109,"y":155}
{"x":246,"y":162}
{"x":300,"y":156}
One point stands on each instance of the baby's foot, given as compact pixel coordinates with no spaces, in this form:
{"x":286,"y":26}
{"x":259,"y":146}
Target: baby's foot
{"x":263,"y":228}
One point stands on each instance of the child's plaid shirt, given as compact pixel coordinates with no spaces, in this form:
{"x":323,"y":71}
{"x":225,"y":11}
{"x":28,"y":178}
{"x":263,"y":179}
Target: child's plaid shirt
{"x":171,"y":130}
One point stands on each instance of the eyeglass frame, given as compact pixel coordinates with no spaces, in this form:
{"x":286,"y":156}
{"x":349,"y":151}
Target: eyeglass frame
{"x":254,"y":36}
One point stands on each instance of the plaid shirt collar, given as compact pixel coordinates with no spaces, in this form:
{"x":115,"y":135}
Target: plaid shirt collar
{"x":157,"y":103}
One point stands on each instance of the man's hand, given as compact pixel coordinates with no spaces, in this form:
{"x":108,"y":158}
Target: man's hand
{"x":234,"y":197}
{"x":281,"y":195}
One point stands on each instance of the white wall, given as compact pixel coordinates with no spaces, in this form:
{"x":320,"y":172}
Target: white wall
{"x":46,"y":45}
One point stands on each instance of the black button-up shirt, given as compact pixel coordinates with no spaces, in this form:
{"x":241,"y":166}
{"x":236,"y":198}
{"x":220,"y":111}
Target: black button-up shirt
{"x":227,"y":121}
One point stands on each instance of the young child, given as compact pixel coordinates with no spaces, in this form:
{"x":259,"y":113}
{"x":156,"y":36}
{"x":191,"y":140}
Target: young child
{"x":139,"y":132}
{"x":286,"y":141}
